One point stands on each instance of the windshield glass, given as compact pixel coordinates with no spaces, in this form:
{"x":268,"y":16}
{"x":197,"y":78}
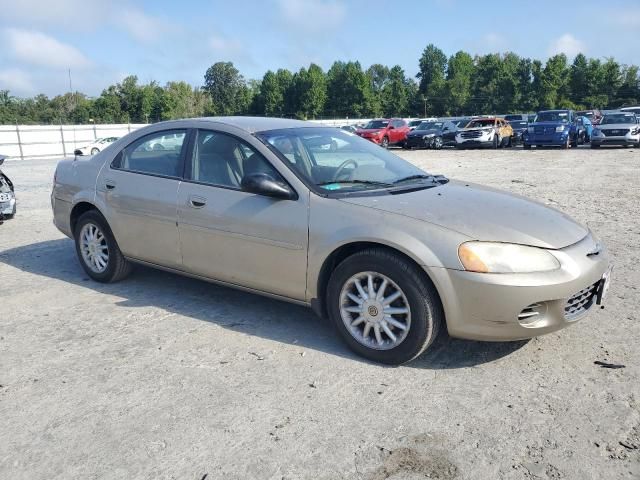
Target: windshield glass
{"x":589,"y":115}
{"x":430,"y":126}
{"x":332,"y":159}
{"x":562,"y":117}
{"x":618,"y":118}
{"x":518,"y":124}
{"x":487,"y":122}
{"x":377,"y":124}
{"x":512,"y":117}
{"x":461,"y":123}
{"x":415,"y":123}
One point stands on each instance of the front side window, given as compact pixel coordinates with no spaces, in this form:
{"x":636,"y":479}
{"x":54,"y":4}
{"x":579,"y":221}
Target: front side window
{"x":222,"y":160}
{"x":333,"y":160}
{"x":156,"y":154}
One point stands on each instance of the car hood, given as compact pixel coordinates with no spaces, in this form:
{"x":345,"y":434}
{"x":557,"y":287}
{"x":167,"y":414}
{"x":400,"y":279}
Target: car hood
{"x":482,"y":213}
{"x":470,"y":129}
{"x":548,"y":124}
{"x":418,"y":133}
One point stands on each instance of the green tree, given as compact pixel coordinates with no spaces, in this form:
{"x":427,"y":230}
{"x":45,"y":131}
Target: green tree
{"x":308,"y":92}
{"x":394,"y":94}
{"x":227,"y":89}
{"x":460,"y":73}
{"x":554,"y":82}
{"x":349,"y":91}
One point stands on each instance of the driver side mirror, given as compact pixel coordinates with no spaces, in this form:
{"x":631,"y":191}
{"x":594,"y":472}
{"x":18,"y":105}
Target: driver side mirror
{"x":391,"y":127}
{"x":265,"y":184}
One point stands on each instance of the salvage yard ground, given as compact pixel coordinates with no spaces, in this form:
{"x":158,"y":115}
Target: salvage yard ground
{"x":163,"y":377}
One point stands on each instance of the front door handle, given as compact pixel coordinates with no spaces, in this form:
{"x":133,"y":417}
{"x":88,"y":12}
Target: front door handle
{"x":110,"y":184}
{"x":197,"y":202}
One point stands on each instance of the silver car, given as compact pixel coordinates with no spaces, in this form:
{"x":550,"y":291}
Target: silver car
{"x":390,"y":253}
{"x":617,"y":128}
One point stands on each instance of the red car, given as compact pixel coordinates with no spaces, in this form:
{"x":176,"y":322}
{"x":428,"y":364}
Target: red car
{"x":385,"y":131}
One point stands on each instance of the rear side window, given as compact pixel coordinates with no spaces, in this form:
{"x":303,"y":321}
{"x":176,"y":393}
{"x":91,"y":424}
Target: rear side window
{"x":155,"y":154}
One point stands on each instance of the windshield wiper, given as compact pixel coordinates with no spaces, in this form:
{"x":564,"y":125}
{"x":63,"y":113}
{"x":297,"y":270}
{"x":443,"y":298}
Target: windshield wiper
{"x":360,"y":182}
{"x":414,"y":177}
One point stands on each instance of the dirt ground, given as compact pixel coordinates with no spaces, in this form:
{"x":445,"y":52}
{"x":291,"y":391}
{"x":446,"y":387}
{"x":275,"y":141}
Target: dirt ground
{"x":162,"y":377}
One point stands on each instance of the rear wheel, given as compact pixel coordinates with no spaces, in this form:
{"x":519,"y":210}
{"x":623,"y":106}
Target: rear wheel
{"x":496,"y":142}
{"x":94,"y":151}
{"x":383,"y":306}
{"x":98,"y":250}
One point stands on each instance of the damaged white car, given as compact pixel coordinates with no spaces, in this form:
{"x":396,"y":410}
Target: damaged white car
{"x":7,"y":195}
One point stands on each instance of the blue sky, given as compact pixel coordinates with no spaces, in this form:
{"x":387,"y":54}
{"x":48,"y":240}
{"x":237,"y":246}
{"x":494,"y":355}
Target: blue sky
{"x":104,"y":41}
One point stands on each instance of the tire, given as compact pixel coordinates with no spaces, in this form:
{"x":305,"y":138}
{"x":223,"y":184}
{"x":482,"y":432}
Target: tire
{"x":424,"y":319}
{"x":385,"y":142}
{"x":437,"y":143}
{"x":496,"y":142}
{"x":567,"y":144}
{"x":117,"y":267}
{"x":593,"y":145}
{"x":95,"y":151}
{"x":509,"y":143}
{"x":574,"y":143}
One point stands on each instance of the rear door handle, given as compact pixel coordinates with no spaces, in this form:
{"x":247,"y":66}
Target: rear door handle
{"x":197,"y":202}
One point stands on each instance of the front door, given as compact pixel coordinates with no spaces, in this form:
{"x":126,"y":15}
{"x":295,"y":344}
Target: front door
{"x":140,"y":189}
{"x":234,"y":236}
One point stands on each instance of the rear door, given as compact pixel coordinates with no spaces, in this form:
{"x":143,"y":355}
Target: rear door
{"x":235,"y":236}
{"x":140,"y":189}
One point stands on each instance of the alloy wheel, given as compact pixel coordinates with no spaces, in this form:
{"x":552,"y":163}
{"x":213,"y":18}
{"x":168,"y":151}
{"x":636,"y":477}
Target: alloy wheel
{"x":94,"y":248}
{"x":375,"y":310}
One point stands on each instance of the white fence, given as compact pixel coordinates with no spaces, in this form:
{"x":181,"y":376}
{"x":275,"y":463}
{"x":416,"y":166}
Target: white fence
{"x":41,"y":141}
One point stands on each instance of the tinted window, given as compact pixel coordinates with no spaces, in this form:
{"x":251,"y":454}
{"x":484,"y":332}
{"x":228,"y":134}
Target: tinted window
{"x":157,"y":154}
{"x":221,"y":159}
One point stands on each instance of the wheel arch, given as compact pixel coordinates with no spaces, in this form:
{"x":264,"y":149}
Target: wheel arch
{"x":344,"y":251}
{"x":79,"y":209}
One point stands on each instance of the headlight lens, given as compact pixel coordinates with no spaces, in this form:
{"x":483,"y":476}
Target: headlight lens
{"x":596,"y":132}
{"x":495,"y":257}
{"x":560,"y":128}
{"x":530,"y":130}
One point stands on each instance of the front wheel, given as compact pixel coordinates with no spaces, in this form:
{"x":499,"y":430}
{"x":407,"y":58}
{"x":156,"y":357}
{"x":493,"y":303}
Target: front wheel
{"x":98,"y":250}
{"x":496,"y":142}
{"x":437,"y":143}
{"x":383,"y":306}
{"x":94,"y":151}
{"x":385,"y":142}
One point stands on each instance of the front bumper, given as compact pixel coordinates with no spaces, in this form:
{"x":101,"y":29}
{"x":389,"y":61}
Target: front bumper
{"x":419,"y":142}
{"x":474,"y":142}
{"x":556,"y":139}
{"x":627,"y":140}
{"x":482,"y":306}
{"x":375,"y":140}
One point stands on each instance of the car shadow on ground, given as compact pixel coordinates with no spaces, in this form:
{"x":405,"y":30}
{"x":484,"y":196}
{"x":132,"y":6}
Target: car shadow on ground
{"x":233,"y":309}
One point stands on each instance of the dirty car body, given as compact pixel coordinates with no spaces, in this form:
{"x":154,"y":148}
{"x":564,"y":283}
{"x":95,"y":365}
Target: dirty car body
{"x":389,"y":252}
{"x":7,"y":195}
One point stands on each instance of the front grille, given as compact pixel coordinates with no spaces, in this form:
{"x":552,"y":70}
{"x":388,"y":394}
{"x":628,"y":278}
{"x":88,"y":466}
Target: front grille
{"x":614,"y":132}
{"x":545,"y":130}
{"x":471,"y":134}
{"x":581,"y":302}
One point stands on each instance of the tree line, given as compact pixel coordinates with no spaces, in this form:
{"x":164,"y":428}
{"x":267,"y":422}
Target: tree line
{"x":444,"y":86}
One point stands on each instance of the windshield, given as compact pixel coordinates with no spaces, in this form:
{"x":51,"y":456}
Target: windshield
{"x":415,"y":123}
{"x":377,"y":124}
{"x":461,"y":123}
{"x":487,"y":122}
{"x":333,"y":160}
{"x":589,"y":115}
{"x":618,"y":118}
{"x":430,"y":126}
{"x":512,"y":117}
{"x":562,"y":117}
{"x":518,"y":124}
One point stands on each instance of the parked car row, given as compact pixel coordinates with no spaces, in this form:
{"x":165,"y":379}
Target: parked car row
{"x":561,"y":128}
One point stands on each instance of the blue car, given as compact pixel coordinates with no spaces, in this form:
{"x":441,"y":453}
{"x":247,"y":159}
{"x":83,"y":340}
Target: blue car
{"x":552,"y":128}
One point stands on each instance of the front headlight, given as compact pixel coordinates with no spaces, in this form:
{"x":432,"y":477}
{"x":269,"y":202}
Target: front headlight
{"x":428,"y":135}
{"x":635,"y":131}
{"x":530,"y":129}
{"x":560,"y":128}
{"x":495,"y":257}
{"x":596,"y":132}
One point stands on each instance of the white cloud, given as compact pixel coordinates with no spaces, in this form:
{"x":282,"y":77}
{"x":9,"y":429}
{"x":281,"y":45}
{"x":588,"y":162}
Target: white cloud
{"x":312,"y":15}
{"x":81,"y":14}
{"x":222,"y":44}
{"x":16,"y":81}
{"x":567,"y":44}
{"x":628,"y":19}
{"x":143,"y":27}
{"x":36,"y":48}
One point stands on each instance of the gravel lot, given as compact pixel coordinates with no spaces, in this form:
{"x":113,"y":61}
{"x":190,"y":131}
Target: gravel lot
{"x":162,"y":377}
